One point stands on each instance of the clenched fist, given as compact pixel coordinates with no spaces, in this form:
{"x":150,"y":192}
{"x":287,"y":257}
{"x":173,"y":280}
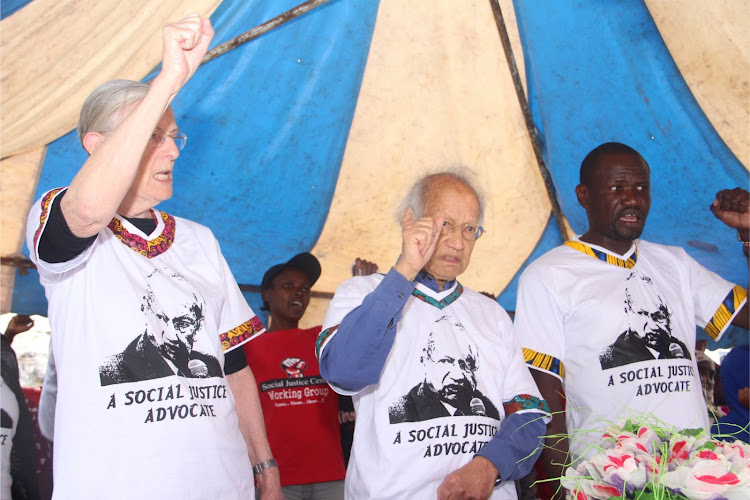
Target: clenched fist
{"x":294,"y":367}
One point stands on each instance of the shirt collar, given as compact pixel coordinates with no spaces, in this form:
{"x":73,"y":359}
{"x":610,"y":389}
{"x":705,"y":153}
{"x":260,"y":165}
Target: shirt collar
{"x":427,"y":280}
{"x":627,"y":260}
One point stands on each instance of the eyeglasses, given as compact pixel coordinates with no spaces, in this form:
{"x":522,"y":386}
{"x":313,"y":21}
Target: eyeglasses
{"x":159,"y":136}
{"x":469,"y":231}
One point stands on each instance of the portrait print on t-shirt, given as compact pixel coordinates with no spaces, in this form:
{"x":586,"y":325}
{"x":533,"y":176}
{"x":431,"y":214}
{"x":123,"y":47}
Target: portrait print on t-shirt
{"x":174,"y":314}
{"x":649,"y":333}
{"x":449,"y":387}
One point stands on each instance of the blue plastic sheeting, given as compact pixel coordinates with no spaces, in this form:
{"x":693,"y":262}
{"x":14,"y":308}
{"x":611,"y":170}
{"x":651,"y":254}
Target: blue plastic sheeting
{"x":267,"y":126}
{"x":550,"y":238}
{"x":599,"y":71}
{"x":8,"y":7}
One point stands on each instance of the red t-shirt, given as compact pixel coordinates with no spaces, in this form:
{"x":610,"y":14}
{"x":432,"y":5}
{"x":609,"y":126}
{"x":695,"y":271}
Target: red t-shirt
{"x":300,"y":409}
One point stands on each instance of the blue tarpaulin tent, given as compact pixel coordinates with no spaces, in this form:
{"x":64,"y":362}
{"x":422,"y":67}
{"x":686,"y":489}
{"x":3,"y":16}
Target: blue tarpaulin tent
{"x":281,"y":129}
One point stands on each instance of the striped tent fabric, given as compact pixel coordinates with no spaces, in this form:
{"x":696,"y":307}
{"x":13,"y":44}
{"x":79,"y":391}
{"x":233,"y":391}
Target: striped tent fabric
{"x":307,"y":137}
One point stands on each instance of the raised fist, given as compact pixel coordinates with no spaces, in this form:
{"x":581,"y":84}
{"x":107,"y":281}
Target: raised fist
{"x":363,"y":267}
{"x":18,"y":324}
{"x":294,"y":367}
{"x":732,"y":207}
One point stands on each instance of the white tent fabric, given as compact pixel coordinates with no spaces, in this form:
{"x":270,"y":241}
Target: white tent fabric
{"x":436,"y":91}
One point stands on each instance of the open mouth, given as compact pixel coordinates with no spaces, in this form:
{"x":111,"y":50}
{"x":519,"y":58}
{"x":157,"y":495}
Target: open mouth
{"x":631,"y":216}
{"x":295,"y":303}
{"x":163,"y":176}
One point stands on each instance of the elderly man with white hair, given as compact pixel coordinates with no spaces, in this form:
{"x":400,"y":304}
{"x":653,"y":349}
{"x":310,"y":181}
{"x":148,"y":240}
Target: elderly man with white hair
{"x":445,"y":404}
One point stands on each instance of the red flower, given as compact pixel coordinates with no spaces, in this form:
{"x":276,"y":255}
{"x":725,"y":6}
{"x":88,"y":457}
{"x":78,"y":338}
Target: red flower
{"x":707,"y":454}
{"x":605,"y":488}
{"x":618,"y":461}
{"x":679,"y":451}
{"x":727,"y":478}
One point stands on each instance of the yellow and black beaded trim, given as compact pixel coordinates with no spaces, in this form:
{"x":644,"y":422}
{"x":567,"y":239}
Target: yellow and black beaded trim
{"x":726,"y":310}
{"x":604,"y":256}
{"x":544,"y":362}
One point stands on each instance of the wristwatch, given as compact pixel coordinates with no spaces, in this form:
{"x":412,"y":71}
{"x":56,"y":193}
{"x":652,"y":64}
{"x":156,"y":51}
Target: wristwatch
{"x":266,"y":464}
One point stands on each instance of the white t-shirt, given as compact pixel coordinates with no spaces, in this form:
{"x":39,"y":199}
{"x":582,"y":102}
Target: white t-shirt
{"x":9,"y":423}
{"x":583,"y":317}
{"x":48,"y":399}
{"x":130,"y":422}
{"x":406,"y":440}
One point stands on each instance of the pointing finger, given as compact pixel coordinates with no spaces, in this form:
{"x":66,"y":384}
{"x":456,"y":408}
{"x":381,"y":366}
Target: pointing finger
{"x":437,"y":226}
{"x":439,"y":220}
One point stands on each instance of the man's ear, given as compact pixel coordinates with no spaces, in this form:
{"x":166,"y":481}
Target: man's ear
{"x":582,"y":193}
{"x":91,"y":141}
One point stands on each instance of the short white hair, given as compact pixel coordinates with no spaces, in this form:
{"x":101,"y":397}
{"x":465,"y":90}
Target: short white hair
{"x":416,"y":198}
{"x":101,"y":111}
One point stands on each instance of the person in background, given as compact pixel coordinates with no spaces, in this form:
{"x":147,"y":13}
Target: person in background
{"x":719,"y":400}
{"x":735,"y":378}
{"x":300,"y":411}
{"x":18,"y":324}
{"x":707,"y":372}
{"x":18,"y":476}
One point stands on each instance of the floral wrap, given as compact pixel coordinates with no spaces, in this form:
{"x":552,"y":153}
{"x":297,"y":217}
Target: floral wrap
{"x":651,"y":463}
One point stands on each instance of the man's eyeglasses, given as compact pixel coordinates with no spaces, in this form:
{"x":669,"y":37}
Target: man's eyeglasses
{"x":159,"y":136}
{"x":469,"y":231}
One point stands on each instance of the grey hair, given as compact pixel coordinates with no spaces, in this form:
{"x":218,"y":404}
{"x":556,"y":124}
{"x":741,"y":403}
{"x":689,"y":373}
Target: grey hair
{"x":416,"y":198}
{"x":101,"y":109}
{"x":164,"y":277}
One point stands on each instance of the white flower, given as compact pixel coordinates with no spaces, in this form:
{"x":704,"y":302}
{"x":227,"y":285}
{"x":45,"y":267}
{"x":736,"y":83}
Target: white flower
{"x":709,"y":479}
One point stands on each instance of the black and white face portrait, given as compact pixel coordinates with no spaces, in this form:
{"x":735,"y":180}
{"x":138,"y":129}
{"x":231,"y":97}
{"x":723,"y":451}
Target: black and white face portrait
{"x":173,"y":319}
{"x":450,"y":364}
{"x":653,"y":326}
{"x":650,"y":318}
{"x":648,"y":334}
{"x":173,"y":337}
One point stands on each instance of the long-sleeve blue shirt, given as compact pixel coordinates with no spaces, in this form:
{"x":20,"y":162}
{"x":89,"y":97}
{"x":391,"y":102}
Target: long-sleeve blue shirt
{"x":355,"y":356}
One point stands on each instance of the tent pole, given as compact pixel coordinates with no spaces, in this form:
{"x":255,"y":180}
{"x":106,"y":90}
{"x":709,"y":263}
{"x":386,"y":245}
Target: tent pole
{"x":530,"y":127}
{"x":262,"y":29}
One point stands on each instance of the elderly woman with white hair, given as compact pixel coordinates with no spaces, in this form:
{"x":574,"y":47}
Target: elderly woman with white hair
{"x":156,"y":427}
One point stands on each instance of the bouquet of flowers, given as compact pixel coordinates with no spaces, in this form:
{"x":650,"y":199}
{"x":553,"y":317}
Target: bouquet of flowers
{"x":650,"y":463}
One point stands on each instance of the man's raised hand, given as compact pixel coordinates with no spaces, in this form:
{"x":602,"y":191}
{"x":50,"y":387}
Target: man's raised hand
{"x":419,"y":237}
{"x":732,"y":207}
